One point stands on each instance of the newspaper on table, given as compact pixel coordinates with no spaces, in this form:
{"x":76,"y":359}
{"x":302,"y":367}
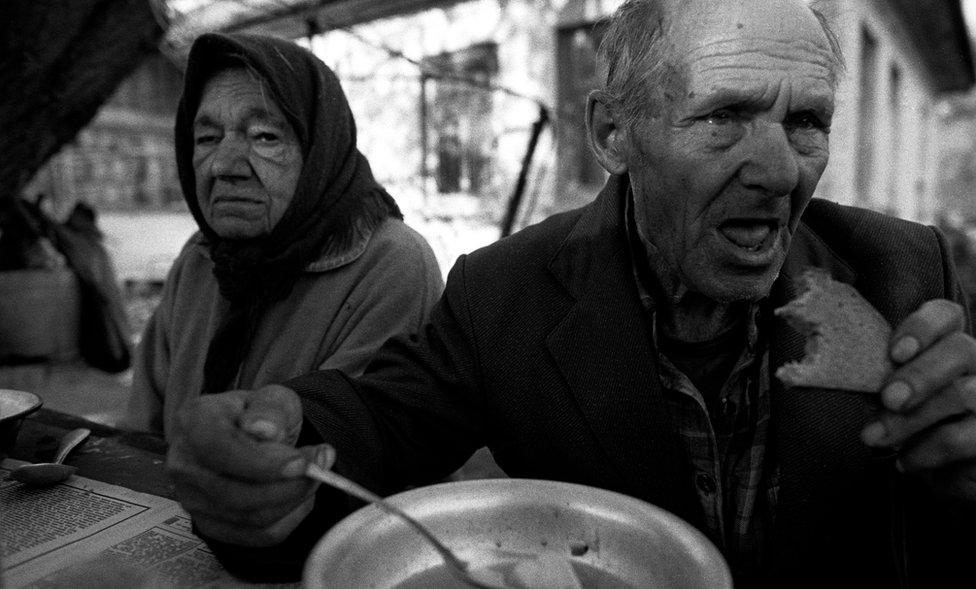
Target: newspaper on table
{"x":86,"y":533}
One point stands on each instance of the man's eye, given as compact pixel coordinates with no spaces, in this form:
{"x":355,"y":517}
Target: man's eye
{"x":722,"y":116}
{"x":205,"y":139}
{"x":807,"y":121}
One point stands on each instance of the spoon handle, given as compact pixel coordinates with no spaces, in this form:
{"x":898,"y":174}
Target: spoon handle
{"x":343,"y":484}
{"x":69,"y":441}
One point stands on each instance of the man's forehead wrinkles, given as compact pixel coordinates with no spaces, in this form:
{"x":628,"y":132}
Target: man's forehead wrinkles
{"x":741,"y":90}
{"x":737,"y":84}
{"x":780,"y":66}
{"x":752,"y":62}
{"x":793,"y":50}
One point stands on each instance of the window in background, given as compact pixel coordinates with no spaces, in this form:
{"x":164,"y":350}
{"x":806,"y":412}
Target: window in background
{"x":577,"y":75}
{"x":457,"y":133}
{"x":896,"y":154}
{"x":868,"y":117}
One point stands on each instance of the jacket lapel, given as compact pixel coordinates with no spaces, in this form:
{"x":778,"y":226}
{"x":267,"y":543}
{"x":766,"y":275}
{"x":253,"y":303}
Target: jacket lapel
{"x":603,"y":351}
{"x":816,"y":433}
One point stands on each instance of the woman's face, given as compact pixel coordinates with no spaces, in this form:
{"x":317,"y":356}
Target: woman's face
{"x":246,"y":156}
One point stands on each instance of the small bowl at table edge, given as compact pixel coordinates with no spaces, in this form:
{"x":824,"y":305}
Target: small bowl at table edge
{"x":15,"y":406}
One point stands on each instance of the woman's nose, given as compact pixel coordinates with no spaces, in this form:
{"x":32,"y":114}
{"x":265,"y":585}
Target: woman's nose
{"x":230,"y":158}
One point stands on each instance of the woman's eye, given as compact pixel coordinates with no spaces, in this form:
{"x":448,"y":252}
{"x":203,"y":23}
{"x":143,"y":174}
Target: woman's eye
{"x":265,"y":136}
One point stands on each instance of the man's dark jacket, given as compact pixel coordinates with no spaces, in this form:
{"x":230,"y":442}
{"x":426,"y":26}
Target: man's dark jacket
{"x":539,"y":350}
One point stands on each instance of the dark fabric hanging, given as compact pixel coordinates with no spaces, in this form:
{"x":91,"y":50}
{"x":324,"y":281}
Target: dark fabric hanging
{"x":60,"y":60}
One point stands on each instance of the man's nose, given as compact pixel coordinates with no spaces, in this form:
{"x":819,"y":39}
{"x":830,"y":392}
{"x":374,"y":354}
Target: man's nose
{"x":230,"y":158}
{"x":770,"y":160}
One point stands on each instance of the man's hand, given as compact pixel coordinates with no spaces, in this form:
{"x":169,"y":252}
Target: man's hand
{"x":929,"y":402}
{"x":236,"y":470}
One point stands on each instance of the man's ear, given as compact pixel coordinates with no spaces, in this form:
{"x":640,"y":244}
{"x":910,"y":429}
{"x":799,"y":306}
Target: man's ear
{"x":607,"y":136}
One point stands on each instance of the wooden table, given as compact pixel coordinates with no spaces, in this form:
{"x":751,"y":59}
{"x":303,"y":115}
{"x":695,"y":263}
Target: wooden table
{"x":135,"y":461}
{"x":129,"y":459}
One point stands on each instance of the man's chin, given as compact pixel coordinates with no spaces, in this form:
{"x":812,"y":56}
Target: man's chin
{"x":738,"y":288}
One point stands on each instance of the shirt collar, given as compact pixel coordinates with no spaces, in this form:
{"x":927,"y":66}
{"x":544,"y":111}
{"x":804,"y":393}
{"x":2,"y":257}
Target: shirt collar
{"x":334,"y":257}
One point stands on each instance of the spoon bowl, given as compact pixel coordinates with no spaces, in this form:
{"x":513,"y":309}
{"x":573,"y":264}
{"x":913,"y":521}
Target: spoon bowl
{"x":51,"y":473}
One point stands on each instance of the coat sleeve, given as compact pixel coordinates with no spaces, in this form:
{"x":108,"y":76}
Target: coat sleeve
{"x":412,"y":418}
{"x":395,"y":294}
{"x":953,"y":285}
{"x":417,"y":413}
{"x":151,"y":364}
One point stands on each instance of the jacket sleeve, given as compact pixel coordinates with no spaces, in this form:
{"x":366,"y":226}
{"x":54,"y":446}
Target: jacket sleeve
{"x":151,"y":365}
{"x":953,"y":285}
{"x":417,"y":413}
{"x":412,"y":418}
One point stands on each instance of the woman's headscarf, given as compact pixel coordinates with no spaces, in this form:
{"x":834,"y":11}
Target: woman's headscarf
{"x":335,"y":199}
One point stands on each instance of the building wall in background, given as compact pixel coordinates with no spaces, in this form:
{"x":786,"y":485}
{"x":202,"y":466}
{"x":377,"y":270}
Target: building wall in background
{"x":444,"y":101}
{"x":123,"y":165}
{"x":884,"y":140}
{"x":123,"y":160}
{"x":956,"y":178}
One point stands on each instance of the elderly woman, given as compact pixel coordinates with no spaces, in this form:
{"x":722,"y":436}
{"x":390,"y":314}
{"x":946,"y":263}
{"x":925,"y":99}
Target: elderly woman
{"x":302,"y":260}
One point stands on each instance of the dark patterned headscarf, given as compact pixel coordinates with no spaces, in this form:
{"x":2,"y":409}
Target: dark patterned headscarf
{"x":336,"y":197}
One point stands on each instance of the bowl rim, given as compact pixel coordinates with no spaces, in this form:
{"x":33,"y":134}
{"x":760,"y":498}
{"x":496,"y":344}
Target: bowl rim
{"x":351,"y":523}
{"x":33,"y":403}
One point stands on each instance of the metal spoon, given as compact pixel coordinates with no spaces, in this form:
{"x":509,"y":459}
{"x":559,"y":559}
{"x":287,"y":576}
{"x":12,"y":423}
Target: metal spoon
{"x":50,"y":473}
{"x":480,"y":578}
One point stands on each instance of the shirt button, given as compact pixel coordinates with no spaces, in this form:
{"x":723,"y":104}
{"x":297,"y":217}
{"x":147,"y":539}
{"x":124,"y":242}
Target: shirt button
{"x":705,"y":483}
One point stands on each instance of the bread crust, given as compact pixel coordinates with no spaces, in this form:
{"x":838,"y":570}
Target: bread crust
{"x":847,"y":338}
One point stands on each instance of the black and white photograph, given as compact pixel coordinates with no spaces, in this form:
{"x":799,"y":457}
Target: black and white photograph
{"x":497,"y":294}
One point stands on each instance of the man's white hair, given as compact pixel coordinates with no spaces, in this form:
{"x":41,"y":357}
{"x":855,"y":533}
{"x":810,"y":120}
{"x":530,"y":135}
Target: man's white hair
{"x":637,"y":50}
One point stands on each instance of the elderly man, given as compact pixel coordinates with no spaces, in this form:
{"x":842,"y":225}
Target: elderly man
{"x":630,"y":344}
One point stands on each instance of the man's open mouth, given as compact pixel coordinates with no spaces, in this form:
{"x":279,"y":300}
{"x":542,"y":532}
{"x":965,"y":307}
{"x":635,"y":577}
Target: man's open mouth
{"x":749,"y":234}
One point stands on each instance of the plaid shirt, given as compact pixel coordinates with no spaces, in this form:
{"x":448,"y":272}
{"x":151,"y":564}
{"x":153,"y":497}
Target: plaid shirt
{"x":726,"y":450}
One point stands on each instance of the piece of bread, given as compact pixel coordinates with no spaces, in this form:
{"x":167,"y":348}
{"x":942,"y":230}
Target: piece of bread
{"x":847,"y":338}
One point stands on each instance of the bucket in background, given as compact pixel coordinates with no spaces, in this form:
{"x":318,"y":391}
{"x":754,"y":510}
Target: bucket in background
{"x":40,"y":312}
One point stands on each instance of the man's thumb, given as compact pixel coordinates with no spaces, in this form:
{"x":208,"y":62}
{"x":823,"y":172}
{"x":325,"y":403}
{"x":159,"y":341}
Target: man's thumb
{"x":272,"y":413}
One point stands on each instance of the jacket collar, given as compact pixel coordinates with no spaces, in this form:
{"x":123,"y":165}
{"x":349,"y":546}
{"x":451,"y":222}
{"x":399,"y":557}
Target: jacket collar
{"x":336,"y":255}
{"x":815,"y":432}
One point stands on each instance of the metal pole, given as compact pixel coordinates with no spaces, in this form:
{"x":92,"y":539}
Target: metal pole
{"x":515,"y":201}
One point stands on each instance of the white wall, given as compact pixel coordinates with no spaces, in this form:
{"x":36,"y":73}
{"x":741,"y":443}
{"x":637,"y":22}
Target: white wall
{"x":896,"y":122}
{"x":143,"y":245}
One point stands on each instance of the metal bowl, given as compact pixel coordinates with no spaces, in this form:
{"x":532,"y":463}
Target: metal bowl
{"x":14,"y":407}
{"x":609,"y":536}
